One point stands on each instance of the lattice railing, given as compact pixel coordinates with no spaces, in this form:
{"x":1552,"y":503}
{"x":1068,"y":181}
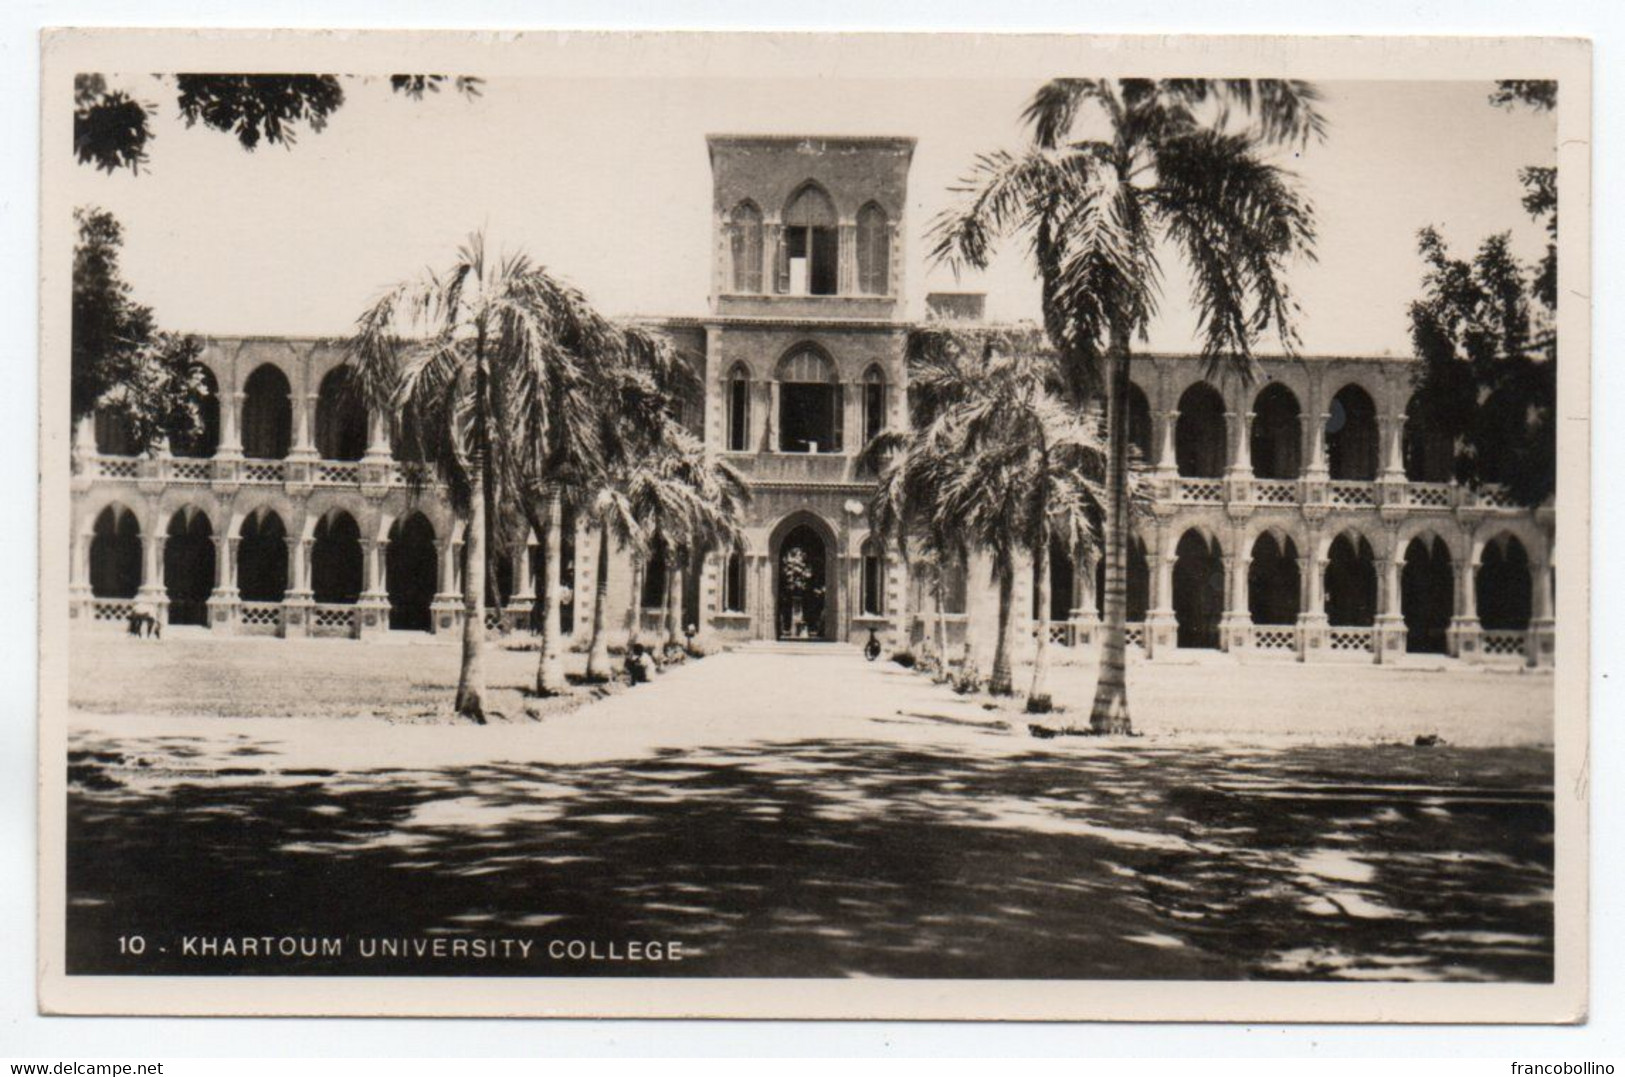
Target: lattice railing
{"x":1349,"y":640}
{"x":333,"y":619}
{"x":1202,"y":491}
{"x":263,"y":471}
{"x":1063,"y":633}
{"x":118,"y":467}
{"x":337,"y":473}
{"x":1275,"y":491}
{"x":111,"y":610}
{"x":1134,"y":635}
{"x":260,"y":618}
{"x":1428,"y":495}
{"x":1502,"y":642}
{"x":1495,"y":497}
{"x":1351,"y":495}
{"x":188,"y":469}
{"x":1275,"y":639}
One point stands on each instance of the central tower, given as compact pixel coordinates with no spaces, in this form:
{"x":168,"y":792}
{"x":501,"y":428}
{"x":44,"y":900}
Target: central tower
{"x":804,"y":364}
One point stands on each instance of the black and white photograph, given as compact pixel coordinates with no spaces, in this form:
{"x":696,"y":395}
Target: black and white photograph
{"x":814,"y":526}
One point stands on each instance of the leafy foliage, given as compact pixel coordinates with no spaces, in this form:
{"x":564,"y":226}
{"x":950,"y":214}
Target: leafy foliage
{"x":111,"y":129}
{"x":121,"y":363}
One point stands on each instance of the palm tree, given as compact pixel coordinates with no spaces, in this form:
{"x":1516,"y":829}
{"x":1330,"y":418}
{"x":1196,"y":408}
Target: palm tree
{"x":483,"y":372}
{"x":1118,"y":170}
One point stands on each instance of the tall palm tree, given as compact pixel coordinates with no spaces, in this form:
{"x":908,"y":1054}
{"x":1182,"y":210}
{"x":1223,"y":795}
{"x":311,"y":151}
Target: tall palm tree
{"x":483,"y":371}
{"x":1119,"y":170}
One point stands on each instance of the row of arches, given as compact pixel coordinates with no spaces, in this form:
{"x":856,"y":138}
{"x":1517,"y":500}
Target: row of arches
{"x":262,"y":571}
{"x":1352,"y":438}
{"x":265,"y":424}
{"x":1275,"y":594}
{"x":807,"y":256}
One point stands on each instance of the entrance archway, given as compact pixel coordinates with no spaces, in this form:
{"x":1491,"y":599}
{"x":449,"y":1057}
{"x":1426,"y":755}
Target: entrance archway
{"x":189,"y":567}
{"x":804,"y":585}
{"x":262,"y":558}
{"x":1272,"y":581}
{"x":335,"y":560}
{"x":1198,"y":590}
{"x":1503,"y":585}
{"x":1427,"y":595}
{"x":1351,"y":582}
{"x":410,"y":570}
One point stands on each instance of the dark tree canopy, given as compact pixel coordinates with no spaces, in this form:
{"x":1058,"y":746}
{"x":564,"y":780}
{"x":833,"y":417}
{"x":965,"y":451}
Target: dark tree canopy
{"x":1536,"y":93}
{"x":112,"y":130}
{"x":121,"y":362}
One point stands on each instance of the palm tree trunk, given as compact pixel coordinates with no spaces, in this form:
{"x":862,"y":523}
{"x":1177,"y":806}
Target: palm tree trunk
{"x":1038,"y":699}
{"x":1110,"y":712}
{"x":598,"y":652}
{"x":634,"y":629}
{"x":942,"y":627}
{"x":550,"y":670}
{"x":674,"y":599}
{"x":1002,"y":682}
{"x":471,"y":677}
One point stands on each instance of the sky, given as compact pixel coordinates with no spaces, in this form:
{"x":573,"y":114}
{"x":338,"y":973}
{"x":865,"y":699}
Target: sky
{"x":606,"y":182}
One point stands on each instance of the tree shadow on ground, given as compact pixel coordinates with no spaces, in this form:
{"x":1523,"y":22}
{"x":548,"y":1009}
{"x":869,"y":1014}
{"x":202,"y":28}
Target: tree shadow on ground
{"x":836,"y":858}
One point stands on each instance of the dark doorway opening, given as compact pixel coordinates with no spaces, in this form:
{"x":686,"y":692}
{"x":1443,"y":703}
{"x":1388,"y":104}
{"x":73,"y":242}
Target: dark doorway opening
{"x":803,"y":586}
{"x":1427,"y":596}
{"x":189,"y":568}
{"x":262,"y":558}
{"x":115,"y":554}
{"x":1273,"y":584}
{"x":1351,"y":583}
{"x":1198,"y":590}
{"x":410,"y":568}
{"x":1139,"y":583}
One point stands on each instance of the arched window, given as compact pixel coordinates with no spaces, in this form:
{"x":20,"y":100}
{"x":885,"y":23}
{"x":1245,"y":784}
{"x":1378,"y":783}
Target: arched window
{"x":1351,"y":436}
{"x":1277,"y":438}
{"x":733,"y":583}
{"x":335,"y":560}
{"x":115,"y":554}
{"x":1351,"y":582}
{"x":874,"y":251}
{"x":1273,"y":581}
{"x":874,"y":580}
{"x":189,"y":567}
{"x":809,"y":249}
{"x":810,"y":403}
{"x":201,"y":442}
{"x":874,"y":404}
{"x":1199,"y":434}
{"x":341,"y":417}
{"x":262,"y":558}
{"x":745,"y":245}
{"x":267,"y":414}
{"x":739,"y":409}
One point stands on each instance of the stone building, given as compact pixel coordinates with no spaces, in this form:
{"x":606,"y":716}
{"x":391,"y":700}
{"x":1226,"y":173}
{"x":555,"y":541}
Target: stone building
{"x":1299,"y":514}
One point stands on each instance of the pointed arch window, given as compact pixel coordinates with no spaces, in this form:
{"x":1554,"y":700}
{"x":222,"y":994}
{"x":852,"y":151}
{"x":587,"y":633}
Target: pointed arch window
{"x":874,"y":404}
{"x":745,"y":244}
{"x":874,"y":580}
{"x":739,"y":409}
{"x":733,"y":584}
{"x":809,"y":250}
{"x":874,"y":251}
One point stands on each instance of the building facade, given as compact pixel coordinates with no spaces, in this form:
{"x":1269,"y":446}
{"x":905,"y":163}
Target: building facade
{"x":1299,"y":514}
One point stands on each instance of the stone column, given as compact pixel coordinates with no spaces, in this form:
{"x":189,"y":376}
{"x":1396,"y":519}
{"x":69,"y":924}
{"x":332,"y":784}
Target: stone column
{"x":1388,"y":642}
{"x":1540,"y":643}
{"x":80,"y":599}
{"x":1084,"y":616}
{"x":296,"y":605}
{"x":846,"y":260}
{"x":231,"y":438}
{"x":773,"y":415}
{"x":1463,"y":634}
{"x":445,"y":612}
{"x":1239,"y":474}
{"x":224,"y":598}
{"x":1235,"y":625}
{"x":304,"y":422}
{"x":373,"y":614}
{"x":1161,"y":626}
{"x":1312,"y":610}
{"x":1167,"y":457}
{"x":152,"y":592}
